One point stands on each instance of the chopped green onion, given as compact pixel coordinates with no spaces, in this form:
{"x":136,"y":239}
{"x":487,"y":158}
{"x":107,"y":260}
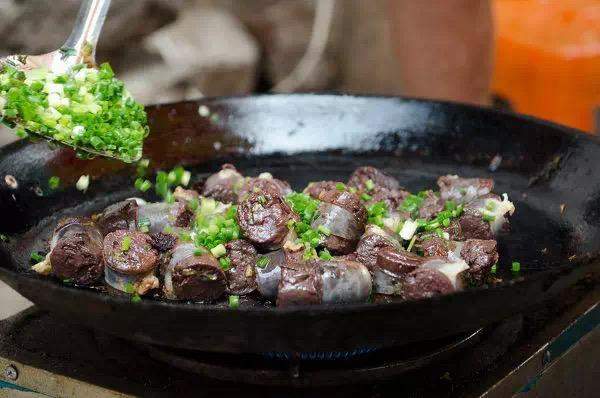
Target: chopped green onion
{"x":185,"y":178}
{"x":129,"y":288}
{"x":144,"y":163}
{"x":193,"y":204}
{"x":36,"y":257}
{"x":126,"y":243}
{"x":494,"y":268}
{"x":516,"y":266}
{"x":218,"y":250}
{"x":67,"y":281}
{"x":142,"y":184}
{"x":144,"y":225}
{"x":262,"y":262}
{"x":86,"y":108}
{"x":136,"y":298}
{"x":366,"y":197}
{"x":83,"y":183}
{"x":324,"y":230}
{"x":168,"y":230}
{"x":234,"y":301}
{"x":54,"y":182}
{"x":340,"y":186}
{"x":225,"y":263}
{"x":411,"y":243}
{"x":185,"y":236}
{"x":325,"y":255}
{"x":3,"y":238}
{"x":489,"y":217}
{"x":376,"y":213}
{"x":352,"y":189}
{"x":370,"y":185}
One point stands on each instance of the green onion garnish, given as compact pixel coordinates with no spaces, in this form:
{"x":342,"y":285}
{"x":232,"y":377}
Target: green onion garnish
{"x":366,"y":197}
{"x":225,"y":263}
{"x":516,"y":266}
{"x":262,"y":262}
{"x":411,"y":243}
{"x":86,"y":108}
{"x":218,"y":250}
{"x":54,"y":182}
{"x":370,"y":185}
{"x":340,"y":186}
{"x":136,"y":298}
{"x":494,"y":268}
{"x":489,"y":217}
{"x":126,"y":243}
{"x":324,"y":230}
{"x":36,"y":257}
{"x":325,"y":255}
{"x":142,"y":184}
{"x":129,"y":288}
{"x":83,"y":183}
{"x":234,"y":301}
{"x":144,"y":225}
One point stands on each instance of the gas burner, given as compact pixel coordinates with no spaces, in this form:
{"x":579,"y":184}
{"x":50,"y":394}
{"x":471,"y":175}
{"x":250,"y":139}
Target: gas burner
{"x":334,"y":368}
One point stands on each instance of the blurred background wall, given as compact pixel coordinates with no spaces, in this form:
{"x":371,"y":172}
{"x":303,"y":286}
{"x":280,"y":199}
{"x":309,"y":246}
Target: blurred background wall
{"x":546,"y":58}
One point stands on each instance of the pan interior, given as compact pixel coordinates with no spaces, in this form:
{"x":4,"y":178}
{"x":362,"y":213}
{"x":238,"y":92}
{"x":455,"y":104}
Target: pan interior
{"x":537,"y":239}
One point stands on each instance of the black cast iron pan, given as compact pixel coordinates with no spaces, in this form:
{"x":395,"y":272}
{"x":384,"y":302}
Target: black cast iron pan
{"x":544,"y":168}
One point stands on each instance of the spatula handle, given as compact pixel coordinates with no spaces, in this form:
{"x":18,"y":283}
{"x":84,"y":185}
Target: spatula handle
{"x":88,"y":25}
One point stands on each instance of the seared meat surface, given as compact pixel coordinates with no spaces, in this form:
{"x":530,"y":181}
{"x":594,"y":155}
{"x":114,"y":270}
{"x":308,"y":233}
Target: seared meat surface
{"x":331,"y":243}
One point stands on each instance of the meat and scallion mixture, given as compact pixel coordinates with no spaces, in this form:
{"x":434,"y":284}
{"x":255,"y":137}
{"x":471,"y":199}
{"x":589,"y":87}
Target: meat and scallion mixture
{"x":237,"y":236}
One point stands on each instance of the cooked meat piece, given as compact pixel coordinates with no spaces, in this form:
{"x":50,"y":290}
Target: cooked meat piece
{"x":300,"y":284}
{"x":342,"y":213}
{"x":76,"y":252}
{"x":185,"y":195}
{"x":398,"y":262}
{"x":473,"y":226}
{"x":393,"y":198}
{"x":263,"y":219}
{"x":163,"y":242}
{"x":432,"y":204}
{"x":463,"y":190}
{"x":481,"y":255}
{"x":327,"y":282}
{"x":346,"y":200}
{"x":391,"y":269}
{"x":223,"y":186}
{"x":361,"y":175}
{"x":424,"y":283}
{"x":454,"y":268}
{"x":268,"y":278}
{"x":272,"y":186}
{"x":495,"y":207}
{"x":314,"y":189}
{"x":240,"y":277}
{"x":134,"y":257}
{"x":435,"y":247}
{"x":346,"y":257}
{"x":371,"y":242}
{"x":344,"y":281}
{"x":162,"y":215}
{"x":198,"y":278}
{"x":188,"y":276}
{"x":121,"y":215}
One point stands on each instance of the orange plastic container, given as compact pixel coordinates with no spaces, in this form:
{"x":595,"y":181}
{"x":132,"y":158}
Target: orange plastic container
{"x":548,"y":58}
